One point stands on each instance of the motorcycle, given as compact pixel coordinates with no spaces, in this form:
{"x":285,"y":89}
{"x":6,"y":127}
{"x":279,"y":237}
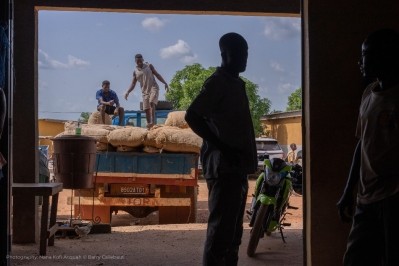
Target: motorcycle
{"x":270,"y":202}
{"x":296,"y":175}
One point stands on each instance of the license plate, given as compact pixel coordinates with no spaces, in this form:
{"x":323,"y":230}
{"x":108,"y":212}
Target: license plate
{"x":129,"y":189}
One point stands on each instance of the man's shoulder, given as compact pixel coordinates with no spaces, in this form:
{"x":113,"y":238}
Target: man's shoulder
{"x":216,"y":78}
{"x":369,"y":89}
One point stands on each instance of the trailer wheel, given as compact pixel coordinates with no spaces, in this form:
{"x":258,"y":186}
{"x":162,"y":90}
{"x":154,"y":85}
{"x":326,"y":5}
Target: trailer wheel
{"x":179,"y":215}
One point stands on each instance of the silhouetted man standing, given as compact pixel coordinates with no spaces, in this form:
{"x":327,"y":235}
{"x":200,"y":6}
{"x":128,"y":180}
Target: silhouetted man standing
{"x":374,"y":236}
{"x":220,"y":115}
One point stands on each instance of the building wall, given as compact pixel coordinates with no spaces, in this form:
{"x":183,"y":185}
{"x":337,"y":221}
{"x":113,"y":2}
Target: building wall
{"x":48,"y":129}
{"x":285,"y":130}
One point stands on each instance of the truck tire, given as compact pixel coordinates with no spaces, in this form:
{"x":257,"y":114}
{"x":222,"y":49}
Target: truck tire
{"x":179,"y":215}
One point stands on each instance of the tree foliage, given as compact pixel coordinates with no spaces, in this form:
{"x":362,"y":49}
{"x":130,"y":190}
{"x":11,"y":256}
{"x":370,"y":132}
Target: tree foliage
{"x":187,"y":83}
{"x":84,"y":117}
{"x":295,"y":100}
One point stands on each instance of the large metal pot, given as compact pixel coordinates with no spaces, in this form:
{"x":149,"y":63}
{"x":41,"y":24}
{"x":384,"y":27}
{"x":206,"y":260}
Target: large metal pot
{"x":74,"y":161}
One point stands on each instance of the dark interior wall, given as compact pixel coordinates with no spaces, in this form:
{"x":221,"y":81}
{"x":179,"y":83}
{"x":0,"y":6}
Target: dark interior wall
{"x":5,"y":18}
{"x":333,"y":84}
{"x":25,"y":110}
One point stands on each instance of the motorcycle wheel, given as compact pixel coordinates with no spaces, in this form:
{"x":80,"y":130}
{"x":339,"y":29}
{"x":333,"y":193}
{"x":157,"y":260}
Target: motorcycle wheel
{"x":256,"y":231}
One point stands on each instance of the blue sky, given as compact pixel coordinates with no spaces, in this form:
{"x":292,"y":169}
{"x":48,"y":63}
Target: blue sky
{"x":78,"y":50}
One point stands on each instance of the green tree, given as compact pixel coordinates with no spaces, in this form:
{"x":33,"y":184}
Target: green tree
{"x":84,"y":117}
{"x":187,"y":83}
{"x":295,"y":100}
{"x":257,"y":105}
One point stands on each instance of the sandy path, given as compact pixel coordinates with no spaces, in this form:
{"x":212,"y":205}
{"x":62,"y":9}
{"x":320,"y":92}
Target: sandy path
{"x":143,"y":242}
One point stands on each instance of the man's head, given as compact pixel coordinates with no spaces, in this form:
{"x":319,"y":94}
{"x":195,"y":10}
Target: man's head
{"x":293,"y":146}
{"x":106,"y":85}
{"x":139,"y":59}
{"x":380,"y":55}
{"x":234,"y":51}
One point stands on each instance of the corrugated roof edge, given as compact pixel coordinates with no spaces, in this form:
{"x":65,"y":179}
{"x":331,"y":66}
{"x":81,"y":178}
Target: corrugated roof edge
{"x":280,"y":115}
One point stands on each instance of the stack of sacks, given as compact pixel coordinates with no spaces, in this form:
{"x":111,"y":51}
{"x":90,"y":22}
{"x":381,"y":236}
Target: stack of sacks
{"x":174,"y":136}
{"x":98,"y":132}
{"x":176,"y":119}
{"x":177,"y":136}
{"x":150,"y":141}
{"x":127,"y":138}
{"x":173,"y":139}
{"x":95,"y":118}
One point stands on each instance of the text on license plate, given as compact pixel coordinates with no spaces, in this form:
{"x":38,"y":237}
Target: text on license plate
{"x":129,"y":189}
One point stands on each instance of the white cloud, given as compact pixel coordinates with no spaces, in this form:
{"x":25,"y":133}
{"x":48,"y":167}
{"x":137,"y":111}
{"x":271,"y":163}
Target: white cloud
{"x":179,"y":50}
{"x":276,"y":66}
{"x":282,"y":28}
{"x":76,"y":62}
{"x":189,"y":59}
{"x":153,"y":24}
{"x":46,"y":62}
{"x":285,"y":88}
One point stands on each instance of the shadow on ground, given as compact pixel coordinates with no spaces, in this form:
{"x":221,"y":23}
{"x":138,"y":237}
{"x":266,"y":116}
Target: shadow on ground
{"x":142,"y":242}
{"x":156,"y":245}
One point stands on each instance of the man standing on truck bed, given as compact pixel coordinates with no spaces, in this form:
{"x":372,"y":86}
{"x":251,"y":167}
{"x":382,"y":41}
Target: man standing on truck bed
{"x":145,"y":73}
{"x":220,"y":115}
{"x":107,"y":98}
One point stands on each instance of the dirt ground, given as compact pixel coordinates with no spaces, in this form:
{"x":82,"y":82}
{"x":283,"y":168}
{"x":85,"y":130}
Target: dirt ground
{"x":143,"y":241}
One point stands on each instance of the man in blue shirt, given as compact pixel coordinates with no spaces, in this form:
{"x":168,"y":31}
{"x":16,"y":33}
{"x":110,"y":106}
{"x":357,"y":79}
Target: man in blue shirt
{"x":108,"y":102}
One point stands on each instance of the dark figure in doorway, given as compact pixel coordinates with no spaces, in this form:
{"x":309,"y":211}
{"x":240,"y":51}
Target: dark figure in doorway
{"x":220,"y":115}
{"x":374,"y":236}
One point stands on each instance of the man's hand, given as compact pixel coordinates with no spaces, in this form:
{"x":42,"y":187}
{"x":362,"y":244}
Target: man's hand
{"x":116,"y":111}
{"x":126,"y":95}
{"x":166,"y":87}
{"x":345,"y":207}
{"x":111,"y":102}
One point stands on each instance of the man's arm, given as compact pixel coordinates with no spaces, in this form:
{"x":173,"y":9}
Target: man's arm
{"x":100,"y":98}
{"x":199,"y":125}
{"x":159,"y":77}
{"x":132,"y":85}
{"x":345,"y":204}
{"x":116,"y":100}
